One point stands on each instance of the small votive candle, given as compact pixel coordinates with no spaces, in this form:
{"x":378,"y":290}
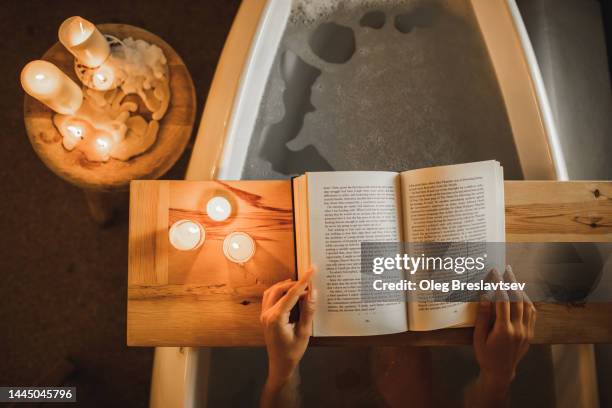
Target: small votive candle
{"x":239,"y":247}
{"x":218,"y":208}
{"x":47,"y":83}
{"x":84,"y":41}
{"x":186,"y":235}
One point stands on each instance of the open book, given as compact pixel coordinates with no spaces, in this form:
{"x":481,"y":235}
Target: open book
{"x":336,"y":211}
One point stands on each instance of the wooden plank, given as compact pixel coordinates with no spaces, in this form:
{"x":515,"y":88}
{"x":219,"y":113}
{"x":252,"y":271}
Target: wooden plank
{"x":147,"y":245}
{"x":549,"y":211}
{"x":206,"y":300}
{"x":199,"y":294}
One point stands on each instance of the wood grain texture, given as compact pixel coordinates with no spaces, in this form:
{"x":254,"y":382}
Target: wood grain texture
{"x":548,"y":211}
{"x":192,"y":297}
{"x":206,"y":300}
{"x":174,"y":132}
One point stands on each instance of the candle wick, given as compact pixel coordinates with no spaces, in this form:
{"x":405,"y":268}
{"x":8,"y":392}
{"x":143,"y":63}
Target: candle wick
{"x":76,"y":131}
{"x":102,"y":144}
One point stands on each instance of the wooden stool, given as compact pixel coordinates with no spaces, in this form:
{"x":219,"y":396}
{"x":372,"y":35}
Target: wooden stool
{"x":100,"y":179}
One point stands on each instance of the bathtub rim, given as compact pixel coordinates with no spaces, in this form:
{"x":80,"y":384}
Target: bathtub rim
{"x":229,"y":117}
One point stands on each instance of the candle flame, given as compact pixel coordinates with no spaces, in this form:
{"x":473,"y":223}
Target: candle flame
{"x":40,"y":77}
{"x":102,"y":144}
{"x":235,"y":245}
{"x":101,"y":77}
{"x":76,"y":131}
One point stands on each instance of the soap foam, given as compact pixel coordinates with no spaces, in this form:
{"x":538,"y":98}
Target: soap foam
{"x":307,"y":12}
{"x":417,"y":91}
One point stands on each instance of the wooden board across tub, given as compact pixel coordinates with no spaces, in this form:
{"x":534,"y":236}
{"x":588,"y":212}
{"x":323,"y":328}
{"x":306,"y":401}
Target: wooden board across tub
{"x":199,"y":298}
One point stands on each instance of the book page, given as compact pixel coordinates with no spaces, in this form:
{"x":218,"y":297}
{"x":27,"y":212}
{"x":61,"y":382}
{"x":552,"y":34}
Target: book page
{"x":462,"y":206}
{"x":346,"y":209}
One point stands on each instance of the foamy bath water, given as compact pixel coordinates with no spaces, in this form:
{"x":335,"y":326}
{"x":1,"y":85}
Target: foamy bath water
{"x":380,"y":85}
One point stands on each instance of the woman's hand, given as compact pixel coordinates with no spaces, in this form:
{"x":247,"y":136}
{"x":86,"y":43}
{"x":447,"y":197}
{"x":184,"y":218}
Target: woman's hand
{"x":286,"y":342}
{"x":502,"y":335}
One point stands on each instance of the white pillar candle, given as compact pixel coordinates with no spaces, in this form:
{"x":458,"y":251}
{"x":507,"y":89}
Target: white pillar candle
{"x":218,"y":208}
{"x":84,"y":41}
{"x":186,"y":235}
{"x":239,"y":247}
{"x":47,"y":83}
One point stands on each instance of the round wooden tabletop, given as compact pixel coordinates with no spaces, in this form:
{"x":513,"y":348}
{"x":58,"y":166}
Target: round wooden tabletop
{"x":174,"y":131}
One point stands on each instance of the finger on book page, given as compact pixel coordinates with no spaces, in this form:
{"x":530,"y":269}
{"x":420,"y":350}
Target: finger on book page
{"x":307,"y":311}
{"x":489,"y":294}
{"x":516,"y":297}
{"x":502,"y":305}
{"x":509,"y":277}
{"x":293,"y":295}
{"x":531,"y":321}
{"x":275,"y":292}
{"x":483,"y":322}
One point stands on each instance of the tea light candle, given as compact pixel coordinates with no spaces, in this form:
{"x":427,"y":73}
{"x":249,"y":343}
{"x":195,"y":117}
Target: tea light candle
{"x":84,"y":41}
{"x":186,"y":235}
{"x":218,"y":208}
{"x":47,"y":83}
{"x":239,"y":247}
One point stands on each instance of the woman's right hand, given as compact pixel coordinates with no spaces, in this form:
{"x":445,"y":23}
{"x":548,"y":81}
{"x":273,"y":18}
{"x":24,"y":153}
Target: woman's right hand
{"x":504,"y":329}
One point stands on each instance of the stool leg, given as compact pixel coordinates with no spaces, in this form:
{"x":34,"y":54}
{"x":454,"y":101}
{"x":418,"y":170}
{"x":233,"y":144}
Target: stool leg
{"x":101,"y":206}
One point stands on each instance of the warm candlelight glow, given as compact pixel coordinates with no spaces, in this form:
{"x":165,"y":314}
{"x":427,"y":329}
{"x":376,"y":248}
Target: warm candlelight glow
{"x":239,"y":247}
{"x":102,"y":121}
{"x":218,"y":208}
{"x":84,"y":41}
{"x":76,"y":131}
{"x":47,"y":83}
{"x":103,"y":78}
{"x":103,"y":145}
{"x":186,"y":235}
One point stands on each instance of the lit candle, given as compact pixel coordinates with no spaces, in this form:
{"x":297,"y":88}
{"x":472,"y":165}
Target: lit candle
{"x":103,"y":147}
{"x":84,"y":41}
{"x":218,"y":208}
{"x":47,"y":83}
{"x":104,"y":78}
{"x":75,"y":132}
{"x":239,"y":247}
{"x":186,"y":235}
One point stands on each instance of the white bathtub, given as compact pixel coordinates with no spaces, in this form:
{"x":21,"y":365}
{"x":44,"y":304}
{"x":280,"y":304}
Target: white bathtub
{"x":231,"y":111}
{"x":232,"y":107}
